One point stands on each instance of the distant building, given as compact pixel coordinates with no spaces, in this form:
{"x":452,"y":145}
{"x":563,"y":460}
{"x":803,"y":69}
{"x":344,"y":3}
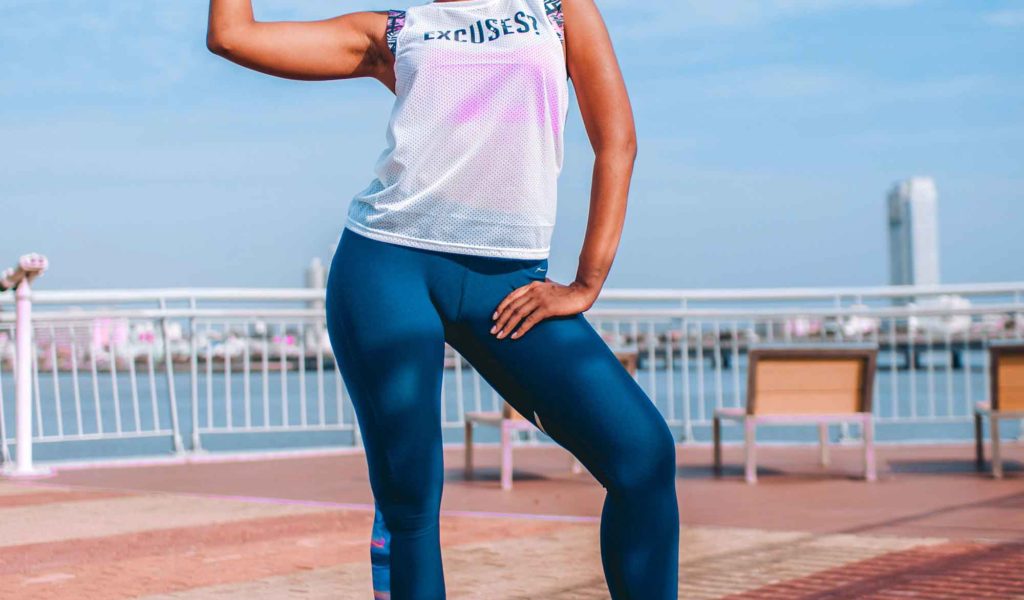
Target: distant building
{"x":914,"y":232}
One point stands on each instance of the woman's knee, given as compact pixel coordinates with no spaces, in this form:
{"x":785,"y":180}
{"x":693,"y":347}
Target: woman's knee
{"x":651,"y":463}
{"x":409,"y":519}
{"x":406,"y":480}
{"x":410,"y":508}
{"x":662,"y":454}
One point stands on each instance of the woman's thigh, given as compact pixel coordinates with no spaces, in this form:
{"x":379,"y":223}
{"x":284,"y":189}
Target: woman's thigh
{"x":389,"y":343}
{"x":565,"y":378}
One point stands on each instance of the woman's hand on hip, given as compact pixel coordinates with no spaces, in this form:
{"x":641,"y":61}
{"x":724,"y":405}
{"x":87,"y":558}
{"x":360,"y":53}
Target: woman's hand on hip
{"x":532,"y":303}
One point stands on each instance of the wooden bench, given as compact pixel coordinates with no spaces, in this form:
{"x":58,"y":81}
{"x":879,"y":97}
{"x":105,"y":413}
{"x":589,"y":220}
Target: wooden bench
{"x":508,"y":420}
{"x":804,"y":385}
{"x":1006,"y":364}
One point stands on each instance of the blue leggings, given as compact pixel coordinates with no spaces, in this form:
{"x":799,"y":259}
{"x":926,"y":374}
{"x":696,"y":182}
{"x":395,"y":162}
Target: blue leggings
{"x":390,"y":309}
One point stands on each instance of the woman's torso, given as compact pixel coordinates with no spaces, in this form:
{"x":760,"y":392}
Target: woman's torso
{"x":474,"y":142}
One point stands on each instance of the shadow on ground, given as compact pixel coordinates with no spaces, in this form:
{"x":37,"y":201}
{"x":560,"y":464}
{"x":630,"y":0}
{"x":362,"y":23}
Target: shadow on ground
{"x":924,"y":467}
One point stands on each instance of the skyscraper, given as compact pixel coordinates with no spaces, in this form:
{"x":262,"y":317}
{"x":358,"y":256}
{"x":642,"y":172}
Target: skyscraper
{"x":914,"y":232}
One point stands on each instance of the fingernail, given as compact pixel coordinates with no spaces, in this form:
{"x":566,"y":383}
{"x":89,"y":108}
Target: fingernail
{"x":493,"y":329}
{"x":494,"y":316}
{"x":515,"y":335}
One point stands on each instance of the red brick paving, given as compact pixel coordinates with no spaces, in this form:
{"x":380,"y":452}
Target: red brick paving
{"x":55,"y":555}
{"x":167,"y":560}
{"x":982,"y":519}
{"x":952,"y":571}
{"x":921,"y":492}
{"x":48,"y":497}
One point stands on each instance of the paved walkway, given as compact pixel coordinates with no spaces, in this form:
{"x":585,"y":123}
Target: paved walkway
{"x":931,"y":528}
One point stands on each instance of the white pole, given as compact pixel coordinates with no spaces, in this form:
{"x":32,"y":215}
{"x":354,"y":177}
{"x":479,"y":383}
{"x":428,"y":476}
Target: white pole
{"x":23,"y":378}
{"x":29,"y":267}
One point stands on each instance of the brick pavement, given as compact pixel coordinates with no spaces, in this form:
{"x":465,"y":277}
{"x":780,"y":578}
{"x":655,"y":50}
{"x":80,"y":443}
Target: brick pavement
{"x":61,"y":540}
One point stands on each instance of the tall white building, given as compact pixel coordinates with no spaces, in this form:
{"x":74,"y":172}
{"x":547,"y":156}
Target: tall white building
{"x":914,"y":232}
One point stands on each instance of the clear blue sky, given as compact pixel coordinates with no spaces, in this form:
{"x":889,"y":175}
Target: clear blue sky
{"x":770,"y":131}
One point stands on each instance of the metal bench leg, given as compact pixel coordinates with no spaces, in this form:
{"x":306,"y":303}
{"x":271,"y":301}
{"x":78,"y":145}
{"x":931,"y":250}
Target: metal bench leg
{"x":469,"y":450}
{"x":979,"y":442}
{"x":868,"y":427}
{"x":997,"y":454}
{"x":823,"y":443}
{"x":506,"y":456}
{"x":716,"y":434}
{"x":750,"y":439}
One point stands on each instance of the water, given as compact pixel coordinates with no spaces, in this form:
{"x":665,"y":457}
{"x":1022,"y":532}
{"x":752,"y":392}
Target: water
{"x":933,"y":403}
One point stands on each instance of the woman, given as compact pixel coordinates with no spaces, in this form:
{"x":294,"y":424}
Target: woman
{"x":450,"y":242}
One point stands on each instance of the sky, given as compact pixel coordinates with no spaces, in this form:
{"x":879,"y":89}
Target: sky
{"x":769,"y":134}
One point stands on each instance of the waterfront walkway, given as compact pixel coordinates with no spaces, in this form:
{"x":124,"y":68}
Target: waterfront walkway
{"x":930,"y":528}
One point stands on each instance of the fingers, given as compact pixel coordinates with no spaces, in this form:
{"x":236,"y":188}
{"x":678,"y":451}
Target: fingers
{"x":517,"y":293}
{"x":535,"y":317}
{"x":513,"y":314}
{"x":515,"y":296}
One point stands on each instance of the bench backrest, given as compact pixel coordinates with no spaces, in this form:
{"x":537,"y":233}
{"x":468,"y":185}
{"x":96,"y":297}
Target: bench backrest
{"x":1007,"y":364}
{"x":819,"y":381}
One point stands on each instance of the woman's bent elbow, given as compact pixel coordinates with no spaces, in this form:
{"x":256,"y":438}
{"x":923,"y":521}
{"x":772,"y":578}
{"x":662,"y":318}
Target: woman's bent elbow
{"x":219,"y":42}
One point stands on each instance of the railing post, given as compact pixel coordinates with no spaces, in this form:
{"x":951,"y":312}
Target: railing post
{"x":23,"y":378}
{"x":179,"y":448}
{"x":30,"y":266}
{"x":193,"y":368}
{"x":844,"y":433}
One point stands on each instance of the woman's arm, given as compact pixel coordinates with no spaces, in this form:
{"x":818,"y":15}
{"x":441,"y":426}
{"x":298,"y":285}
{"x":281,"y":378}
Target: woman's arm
{"x":351,"y":45}
{"x":608,"y":118}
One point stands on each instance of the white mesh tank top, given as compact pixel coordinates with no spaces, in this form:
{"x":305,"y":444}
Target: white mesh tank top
{"x":474,"y":142}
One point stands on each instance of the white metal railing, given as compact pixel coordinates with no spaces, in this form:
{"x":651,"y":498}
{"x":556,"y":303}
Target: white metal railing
{"x":836,"y":296}
{"x":20,"y":280}
{"x":185,"y":370}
